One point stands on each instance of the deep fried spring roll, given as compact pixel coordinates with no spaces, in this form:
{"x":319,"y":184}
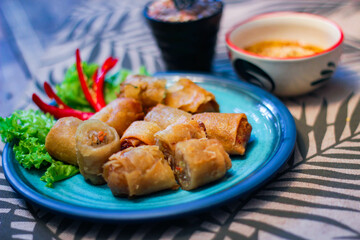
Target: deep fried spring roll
{"x":120,"y":113}
{"x":188,"y":96}
{"x":95,"y":143}
{"x":60,"y":141}
{"x":200,"y":161}
{"x":138,"y":171}
{"x":231,"y":129}
{"x":169,"y":137}
{"x":164,"y":116}
{"x":148,"y":90}
{"x":139,"y":133}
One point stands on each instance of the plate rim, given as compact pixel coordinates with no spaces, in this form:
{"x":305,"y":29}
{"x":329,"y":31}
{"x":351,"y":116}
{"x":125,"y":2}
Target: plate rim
{"x":251,"y":183}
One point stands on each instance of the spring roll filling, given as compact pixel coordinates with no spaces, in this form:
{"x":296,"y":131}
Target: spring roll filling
{"x":131,"y":142}
{"x":182,"y":172}
{"x":166,"y":150}
{"x":97,"y":138}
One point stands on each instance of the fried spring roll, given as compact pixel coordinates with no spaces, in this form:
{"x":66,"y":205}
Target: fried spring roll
{"x":60,"y":141}
{"x":139,"y":133}
{"x":138,"y":171}
{"x":231,"y":129}
{"x":188,"y":96}
{"x":148,"y":90}
{"x":95,"y":143}
{"x":169,"y":137}
{"x":164,"y":116}
{"x":120,"y":113}
{"x":200,"y":161}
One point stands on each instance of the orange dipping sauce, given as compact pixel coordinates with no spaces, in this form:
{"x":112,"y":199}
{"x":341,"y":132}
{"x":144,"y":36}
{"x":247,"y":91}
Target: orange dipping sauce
{"x":283,"y":49}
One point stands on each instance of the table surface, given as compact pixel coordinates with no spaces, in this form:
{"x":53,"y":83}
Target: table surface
{"x":316,"y":197}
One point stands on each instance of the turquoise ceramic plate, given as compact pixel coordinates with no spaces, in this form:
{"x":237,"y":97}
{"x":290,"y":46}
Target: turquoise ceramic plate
{"x":271,"y":144}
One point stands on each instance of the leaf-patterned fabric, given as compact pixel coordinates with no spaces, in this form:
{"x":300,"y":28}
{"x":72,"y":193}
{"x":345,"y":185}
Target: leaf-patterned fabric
{"x":317,"y":195}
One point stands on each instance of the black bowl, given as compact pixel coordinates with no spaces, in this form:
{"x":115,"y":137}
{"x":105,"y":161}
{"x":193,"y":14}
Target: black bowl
{"x":186,"y":46}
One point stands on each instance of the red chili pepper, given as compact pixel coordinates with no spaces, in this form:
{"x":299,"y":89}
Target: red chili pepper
{"x":94,"y":78}
{"x":106,"y":67}
{"x":84,"y":86}
{"x":58,"y":112}
{"x":98,"y":85}
{"x":95,"y":98}
{"x":52,"y":95}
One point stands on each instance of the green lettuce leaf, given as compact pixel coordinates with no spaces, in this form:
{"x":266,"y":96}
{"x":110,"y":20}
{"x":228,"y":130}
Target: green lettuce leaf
{"x":30,"y":153}
{"x":143,"y":71}
{"x":58,"y":171}
{"x":28,"y":129}
{"x":26,"y":124}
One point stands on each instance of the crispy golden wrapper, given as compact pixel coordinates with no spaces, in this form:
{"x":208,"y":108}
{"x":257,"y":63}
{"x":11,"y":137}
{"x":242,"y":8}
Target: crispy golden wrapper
{"x":231,"y":129}
{"x":138,"y":171}
{"x":95,"y":143}
{"x":139,"y":133}
{"x":200,"y":161}
{"x":169,"y":137}
{"x":60,"y":141}
{"x":164,"y":116}
{"x":148,"y":90}
{"x":120,"y":113}
{"x":188,"y":96}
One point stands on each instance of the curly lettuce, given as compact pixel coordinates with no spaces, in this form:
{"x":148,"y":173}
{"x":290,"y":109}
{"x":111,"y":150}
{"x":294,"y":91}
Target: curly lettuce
{"x":28,"y":129}
{"x":30,"y":153}
{"x":58,"y":171}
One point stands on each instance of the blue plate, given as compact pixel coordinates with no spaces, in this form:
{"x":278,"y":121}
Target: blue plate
{"x":271,"y":144}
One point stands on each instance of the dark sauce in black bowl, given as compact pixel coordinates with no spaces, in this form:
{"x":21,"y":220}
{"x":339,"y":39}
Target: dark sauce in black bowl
{"x":186,"y":38}
{"x":165,"y":10}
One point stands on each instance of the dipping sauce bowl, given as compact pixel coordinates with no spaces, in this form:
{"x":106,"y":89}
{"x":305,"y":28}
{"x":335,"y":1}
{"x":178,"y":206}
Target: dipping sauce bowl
{"x":286,"y":76}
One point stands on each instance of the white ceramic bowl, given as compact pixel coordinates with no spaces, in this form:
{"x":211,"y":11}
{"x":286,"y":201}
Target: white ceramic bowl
{"x":286,"y":76}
